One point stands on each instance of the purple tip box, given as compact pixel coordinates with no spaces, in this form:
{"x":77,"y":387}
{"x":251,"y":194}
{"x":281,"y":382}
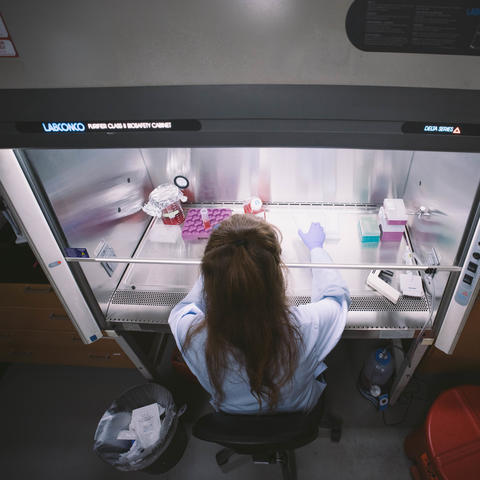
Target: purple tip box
{"x":193,"y":226}
{"x":389,"y":233}
{"x":390,"y":236}
{"x":394,"y":211}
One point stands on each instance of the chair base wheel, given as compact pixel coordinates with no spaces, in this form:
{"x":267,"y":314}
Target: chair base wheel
{"x":223,"y":456}
{"x":289,"y":466}
{"x":336,"y":434}
{"x":333,"y":425}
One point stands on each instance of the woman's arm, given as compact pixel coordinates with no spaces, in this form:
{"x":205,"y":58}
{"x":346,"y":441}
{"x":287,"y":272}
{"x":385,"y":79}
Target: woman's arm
{"x":327,"y":282}
{"x":324,"y":319}
{"x":186,"y":311}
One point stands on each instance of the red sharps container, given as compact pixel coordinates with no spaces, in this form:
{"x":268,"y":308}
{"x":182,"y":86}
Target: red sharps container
{"x":166,"y":202}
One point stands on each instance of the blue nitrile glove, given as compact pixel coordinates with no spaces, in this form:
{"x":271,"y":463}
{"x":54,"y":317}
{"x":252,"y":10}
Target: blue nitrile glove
{"x":314,"y":237}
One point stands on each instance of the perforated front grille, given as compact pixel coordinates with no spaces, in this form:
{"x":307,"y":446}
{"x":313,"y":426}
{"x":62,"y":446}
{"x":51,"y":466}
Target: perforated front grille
{"x":299,"y":300}
{"x":381,"y":304}
{"x":150,"y":298}
{"x":359,"y":303}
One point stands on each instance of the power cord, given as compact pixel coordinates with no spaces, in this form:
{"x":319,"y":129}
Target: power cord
{"x":406,"y":399}
{"x":403,"y":418}
{"x":428,"y":278}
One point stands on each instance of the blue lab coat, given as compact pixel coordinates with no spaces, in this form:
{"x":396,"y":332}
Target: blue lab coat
{"x":321,"y":324}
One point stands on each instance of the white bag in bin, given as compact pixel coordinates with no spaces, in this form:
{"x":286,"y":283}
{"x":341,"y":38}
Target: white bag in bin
{"x":137,"y":428}
{"x":144,"y":428}
{"x":160,"y":198}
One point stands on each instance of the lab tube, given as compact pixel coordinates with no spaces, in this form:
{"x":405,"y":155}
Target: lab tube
{"x":205,"y":219}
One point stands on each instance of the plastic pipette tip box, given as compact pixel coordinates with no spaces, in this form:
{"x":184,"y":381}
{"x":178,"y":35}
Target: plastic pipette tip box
{"x":369,"y":231}
{"x":394,"y":211}
{"x":389,"y":233}
{"x":193,"y":228}
{"x":390,"y":236}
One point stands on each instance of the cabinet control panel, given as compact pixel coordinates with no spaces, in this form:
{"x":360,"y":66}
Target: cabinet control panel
{"x":469,"y":276}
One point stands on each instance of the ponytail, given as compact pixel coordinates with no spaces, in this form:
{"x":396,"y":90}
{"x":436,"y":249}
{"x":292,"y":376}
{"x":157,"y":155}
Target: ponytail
{"x":247,"y":315}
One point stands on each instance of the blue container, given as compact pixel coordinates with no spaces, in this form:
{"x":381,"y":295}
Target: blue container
{"x":378,"y":369}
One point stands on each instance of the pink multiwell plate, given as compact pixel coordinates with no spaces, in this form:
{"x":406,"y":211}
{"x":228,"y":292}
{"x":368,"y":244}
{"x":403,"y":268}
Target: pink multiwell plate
{"x":193,"y":228}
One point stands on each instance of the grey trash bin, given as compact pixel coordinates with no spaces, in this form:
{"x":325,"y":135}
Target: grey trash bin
{"x":158,"y":458}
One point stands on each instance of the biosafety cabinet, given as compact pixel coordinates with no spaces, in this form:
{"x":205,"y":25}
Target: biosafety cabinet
{"x":318,"y":134}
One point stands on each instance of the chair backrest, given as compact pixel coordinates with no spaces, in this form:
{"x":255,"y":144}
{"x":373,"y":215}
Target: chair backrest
{"x":255,"y":433}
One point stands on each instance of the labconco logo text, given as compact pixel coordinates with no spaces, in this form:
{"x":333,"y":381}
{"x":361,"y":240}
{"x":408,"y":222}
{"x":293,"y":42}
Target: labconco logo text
{"x":63,"y":127}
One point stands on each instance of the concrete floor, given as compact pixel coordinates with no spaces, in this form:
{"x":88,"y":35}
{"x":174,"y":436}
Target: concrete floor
{"x":49,"y":416}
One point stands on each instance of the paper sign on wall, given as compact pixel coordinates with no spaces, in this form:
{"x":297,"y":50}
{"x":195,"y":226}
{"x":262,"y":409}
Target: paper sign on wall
{"x":7,"y":48}
{"x":408,"y":26}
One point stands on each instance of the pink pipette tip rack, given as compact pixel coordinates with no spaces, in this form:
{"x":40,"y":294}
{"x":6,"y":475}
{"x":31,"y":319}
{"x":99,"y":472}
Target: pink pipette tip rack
{"x":193,"y":228}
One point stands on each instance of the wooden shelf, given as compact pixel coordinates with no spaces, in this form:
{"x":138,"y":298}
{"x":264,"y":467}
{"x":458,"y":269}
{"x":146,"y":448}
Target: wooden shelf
{"x":34,"y":328}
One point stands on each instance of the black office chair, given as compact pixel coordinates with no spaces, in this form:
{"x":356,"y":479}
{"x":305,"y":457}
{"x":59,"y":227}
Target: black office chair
{"x":267,"y":438}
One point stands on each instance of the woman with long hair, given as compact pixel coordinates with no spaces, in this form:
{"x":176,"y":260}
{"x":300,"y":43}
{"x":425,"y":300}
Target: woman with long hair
{"x":246,"y":345}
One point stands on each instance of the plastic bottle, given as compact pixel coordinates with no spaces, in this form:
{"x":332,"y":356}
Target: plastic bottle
{"x":378,"y":369}
{"x":253,"y":205}
{"x":205,"y":219}
{"x":165,"y":202}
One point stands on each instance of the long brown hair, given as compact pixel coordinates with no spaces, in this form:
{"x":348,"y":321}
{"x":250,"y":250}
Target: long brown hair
{"x":247,"y":314}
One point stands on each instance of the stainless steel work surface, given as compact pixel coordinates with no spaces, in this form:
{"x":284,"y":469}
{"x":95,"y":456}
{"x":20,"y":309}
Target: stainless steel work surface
{"x":342,"y":243}
{"x":147,"y":293}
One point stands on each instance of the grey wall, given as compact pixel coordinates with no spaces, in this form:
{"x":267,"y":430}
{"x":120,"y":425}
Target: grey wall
{"x":184,"y":42}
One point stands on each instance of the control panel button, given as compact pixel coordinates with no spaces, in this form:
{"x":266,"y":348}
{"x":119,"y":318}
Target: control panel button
{"x":476,"y":255}
{"x":472,"y":267}
{"x":468,"y":279}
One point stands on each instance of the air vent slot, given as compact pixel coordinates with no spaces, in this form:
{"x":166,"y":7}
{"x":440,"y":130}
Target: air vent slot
{"x":366,"y":303}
